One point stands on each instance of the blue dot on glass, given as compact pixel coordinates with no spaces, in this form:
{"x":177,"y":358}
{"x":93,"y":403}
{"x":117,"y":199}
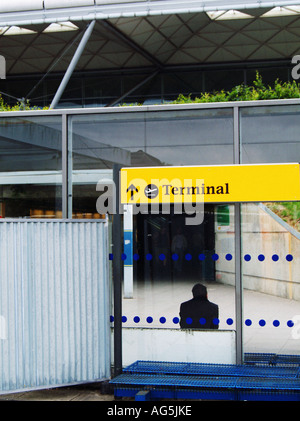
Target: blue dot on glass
{"x":290,"y":323}
{"x":136,"y":256}
{"x":188,"y":256}
{"x":215,"y":256}
{"x":124,"y":319}
{"x":111,"y":256}
{"x":149,"y":319}
{"x":123,"y":256}
{"x":189,"y":321}
{"x":276,"y":323}
{"x":175,"y":320}
{"x":162,"y":257}
{"x":136,"y":319}
{"x":229,"y":321}
{"x":175,"y":256}
{"x":149,"y":256}
{"x":247,"y":257}
{"x":202,"y":321}
{"x":248,"y":322}
{"x":216,"y":321}
{"x":162,"y":320}
{"x":112,"y":318}
{"x":261,"y":257}
{"x":262,"y":323}
{"x":201,"y":256}
{"x":289,"y":257}
{"x":228,"y":256}
{"x":275,"y":257}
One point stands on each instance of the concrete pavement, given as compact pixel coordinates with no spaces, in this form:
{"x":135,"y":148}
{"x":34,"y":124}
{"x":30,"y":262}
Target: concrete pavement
{"x":266,"y":317}
{"x":163,"y":299}
{"x":70,"y":393}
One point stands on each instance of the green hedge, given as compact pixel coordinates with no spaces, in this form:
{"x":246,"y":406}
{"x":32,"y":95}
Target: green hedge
{"x":257,"y":91}
{"x":17,"y":107}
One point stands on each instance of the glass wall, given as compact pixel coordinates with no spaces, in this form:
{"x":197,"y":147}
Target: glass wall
{"x":185,"y":137}
{"x":31,"y":167}
{"x":270,"y":236}
{"x":171,"y":257}
{"x":271,"y":305}
{"x":270,"y":134}
{"x":97,"y":141}
{"x":96,"y":89}
{"x":163,"y":275}
{"x":179,"y":137}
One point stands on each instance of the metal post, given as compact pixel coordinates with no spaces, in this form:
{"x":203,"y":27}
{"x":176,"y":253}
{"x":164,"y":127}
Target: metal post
{"x":65,"y":173}
{"x":117,"y":275}
{"x":238,"y":284}
{"x":73,"y":64}
{"x":238,"y":249}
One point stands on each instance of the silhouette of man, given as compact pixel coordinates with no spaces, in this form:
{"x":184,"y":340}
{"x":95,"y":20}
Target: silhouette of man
{"x":199,"y":313}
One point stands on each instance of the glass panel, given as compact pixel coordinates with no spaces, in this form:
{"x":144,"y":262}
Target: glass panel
{"x":96,"y":143}
{"x":171,"y":257}
{"x":190,"y":137}
{"x":270,"y":243}
{"x":31,"y":167}
{"x":269,"y":75}
{"x":270,"y":134}
{"x":183,"y":82}
{"x":186,"y":137}
{"x":217,"y":80}
{"x":162,"y":273}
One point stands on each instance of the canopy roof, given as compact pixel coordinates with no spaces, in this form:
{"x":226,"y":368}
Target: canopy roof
{"x":37,"y":36}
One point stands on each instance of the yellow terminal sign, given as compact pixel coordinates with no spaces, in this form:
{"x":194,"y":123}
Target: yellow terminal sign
{"x":214,"y":184}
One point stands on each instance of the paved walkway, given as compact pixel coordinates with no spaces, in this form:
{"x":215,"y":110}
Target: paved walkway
{"x":75,"y":393}
{"x":163,"y":300}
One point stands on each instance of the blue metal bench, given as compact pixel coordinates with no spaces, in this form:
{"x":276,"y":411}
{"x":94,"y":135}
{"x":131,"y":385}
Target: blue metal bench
{"x":271,"y":359}
{"x":147,"y":380}
{"x":162,"y":367}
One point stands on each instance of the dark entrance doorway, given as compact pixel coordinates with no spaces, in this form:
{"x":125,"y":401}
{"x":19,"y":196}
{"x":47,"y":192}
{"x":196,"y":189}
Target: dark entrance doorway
{"x":168,"y":249}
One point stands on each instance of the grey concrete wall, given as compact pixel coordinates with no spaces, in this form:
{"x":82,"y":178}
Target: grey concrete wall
{"x":263,"y":233}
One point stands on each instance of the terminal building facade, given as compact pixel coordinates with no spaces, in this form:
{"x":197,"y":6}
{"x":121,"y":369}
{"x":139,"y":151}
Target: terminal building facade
{"x":85,"y":58}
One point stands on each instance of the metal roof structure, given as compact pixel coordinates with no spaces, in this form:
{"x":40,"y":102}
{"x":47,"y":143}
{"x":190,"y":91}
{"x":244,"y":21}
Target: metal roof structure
{"x":39,"y":37}
{"x":135,"y":34}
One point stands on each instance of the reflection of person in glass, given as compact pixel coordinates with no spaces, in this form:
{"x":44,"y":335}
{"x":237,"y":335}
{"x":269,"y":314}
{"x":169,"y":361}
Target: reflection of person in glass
{"x":199,"y":313}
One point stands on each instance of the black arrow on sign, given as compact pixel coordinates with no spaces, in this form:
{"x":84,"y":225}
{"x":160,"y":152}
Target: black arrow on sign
{"x":132,"y":190}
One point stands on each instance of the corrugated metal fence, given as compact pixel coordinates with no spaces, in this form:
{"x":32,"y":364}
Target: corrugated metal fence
{"x":54,"y":303}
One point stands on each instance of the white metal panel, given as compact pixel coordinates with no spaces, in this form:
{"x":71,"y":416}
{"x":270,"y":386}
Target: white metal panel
{"x":15,"y":12}
{"x":58,"y":4}
{"x":101,"y":2}
{"x":54,"y":304}
{"x":177,"y":345}
{"x":20,"y":5}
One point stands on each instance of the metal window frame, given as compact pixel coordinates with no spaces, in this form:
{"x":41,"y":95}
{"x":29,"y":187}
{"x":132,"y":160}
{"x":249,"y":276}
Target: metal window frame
{"x":236,"y":109}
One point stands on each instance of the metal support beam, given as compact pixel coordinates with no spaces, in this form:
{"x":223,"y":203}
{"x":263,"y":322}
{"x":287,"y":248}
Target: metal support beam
{"x":65,"y":174}
{"x":117,"y":275}
{"x":129,"y":42}
{"x":111,"y":104}
{"x":238,"y":248}
{"x":238,"y":284}
{"x":73,"y":64}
